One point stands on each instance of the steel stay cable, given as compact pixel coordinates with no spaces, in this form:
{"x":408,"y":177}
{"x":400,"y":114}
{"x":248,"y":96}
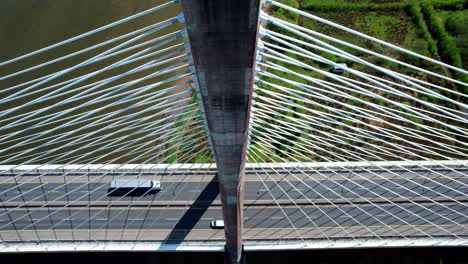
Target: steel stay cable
{"x":76,"y":117}
{"x":120,"y":198}
{"x":208,"y":157}
{"x":347,"y":115}
{"x":154,"y":63}
{"x":331,"y":90}
{"x":307,"y":54}
{"x":161,"y":104}
{"x":423,"y":208}
{"x":338,"y":208}
{"x":92,"y":48}
{"x":407,"y":179}
{"x":385,"y":87}
{"x":360,"y":132}
{"x":149,"y":204}
{"x":429,"y":222}
{"x":374,"y":79}
{"x":67,"y":206}
{"x":112,"y":146}
{"x":371,"y":179}
{"x":425,"y":197}
{"x":119,"y":88}
{"x":298,"y":124}
{"x":366,"y":36}
{"x":342,"y":80}
{"x":88,"y":125}
{"x":420,"y":125}
{"x":334,"y":119}
{"x":187,"y":83}
{"x":174,"y":107}
{"x":85,"y":114}
{"x":341,"y":113}
{"x":277,"y":203}
{"x":87,"y":76}
{"x":79,"y":188}
{"x":350,"y":202}
{"x":116,"y":150}
{"x":421,"y":138}
{"x":178,"y":35}
{"x":109,"y":193}
{"x":343,"y":132}
{"x":276,"y":36}
{"x":385,"y":71}
{"x":316,"y":121}
{"x":309,"y":200}
{"x":360,"y":141}
{"x":317,"y":34}
{"x":325,"y":138}
{"x":103,"y":142}
{"x":331,"y":86}
{"x":166,"y":132}
{"x":105,"y":116}
{"x":296,"y":129}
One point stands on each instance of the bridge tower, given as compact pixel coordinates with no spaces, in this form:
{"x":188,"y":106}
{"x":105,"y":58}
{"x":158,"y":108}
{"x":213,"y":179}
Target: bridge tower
{"x":223,"y":36}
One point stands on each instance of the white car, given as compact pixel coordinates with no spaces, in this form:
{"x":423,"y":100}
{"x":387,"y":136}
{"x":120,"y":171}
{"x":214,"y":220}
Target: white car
{"x":217,"y":224}
{"x":156,"y":186}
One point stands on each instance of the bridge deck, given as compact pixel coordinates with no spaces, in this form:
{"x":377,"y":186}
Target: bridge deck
{"x":321,"y":206}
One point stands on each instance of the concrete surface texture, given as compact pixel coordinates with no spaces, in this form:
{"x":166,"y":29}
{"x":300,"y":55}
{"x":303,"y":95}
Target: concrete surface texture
{"x":223,"y":39}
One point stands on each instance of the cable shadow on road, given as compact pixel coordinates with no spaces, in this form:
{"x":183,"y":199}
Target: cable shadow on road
{"x":191,"y":217}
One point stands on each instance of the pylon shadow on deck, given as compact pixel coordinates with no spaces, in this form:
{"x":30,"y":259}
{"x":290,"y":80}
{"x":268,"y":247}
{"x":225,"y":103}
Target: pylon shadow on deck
{"x":191,"y":217}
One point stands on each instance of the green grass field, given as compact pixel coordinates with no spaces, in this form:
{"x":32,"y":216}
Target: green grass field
{"x":401,"y":22}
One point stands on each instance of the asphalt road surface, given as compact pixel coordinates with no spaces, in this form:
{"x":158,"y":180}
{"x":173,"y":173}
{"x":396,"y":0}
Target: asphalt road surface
{"x":379,"y":205}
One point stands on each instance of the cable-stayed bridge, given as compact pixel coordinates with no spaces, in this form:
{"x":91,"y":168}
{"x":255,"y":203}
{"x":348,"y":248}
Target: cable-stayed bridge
{"x":236,"y":111}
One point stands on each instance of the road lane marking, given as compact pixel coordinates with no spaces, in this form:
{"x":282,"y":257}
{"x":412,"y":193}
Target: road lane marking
{"x":246,"y":228}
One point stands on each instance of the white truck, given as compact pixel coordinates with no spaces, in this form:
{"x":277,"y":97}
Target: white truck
{"x":135,"y":185}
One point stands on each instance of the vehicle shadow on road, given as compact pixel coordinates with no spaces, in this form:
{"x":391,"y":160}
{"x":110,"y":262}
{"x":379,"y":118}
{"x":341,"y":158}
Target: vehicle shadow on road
{"x":191,"y":217}
{"x":131,"y":193}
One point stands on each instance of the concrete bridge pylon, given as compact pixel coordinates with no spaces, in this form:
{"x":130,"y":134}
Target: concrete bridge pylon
{"x":223,"y":35}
